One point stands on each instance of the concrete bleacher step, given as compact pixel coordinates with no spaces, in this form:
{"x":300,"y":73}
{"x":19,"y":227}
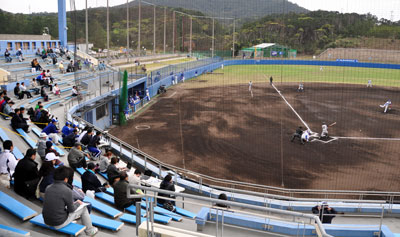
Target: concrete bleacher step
{"x":103,"y":208}
{"x":11,"y":231}
{"x":17,"y":208}
{"x":71,"y":229}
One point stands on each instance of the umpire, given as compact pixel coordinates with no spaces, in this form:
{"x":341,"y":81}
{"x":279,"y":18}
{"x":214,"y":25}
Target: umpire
{"x":298,"y":133}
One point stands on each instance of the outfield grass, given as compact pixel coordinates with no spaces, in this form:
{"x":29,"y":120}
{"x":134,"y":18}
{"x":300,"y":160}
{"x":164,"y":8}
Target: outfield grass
{"x":294,"y":73}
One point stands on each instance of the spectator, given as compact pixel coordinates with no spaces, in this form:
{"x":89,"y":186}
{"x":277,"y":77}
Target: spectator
{"x":8,"y":107}
{"x":39,"y":103}
{"x":26,"y":175}
{"x":50,"y":149}
{"x":44,"y":119}
{"x":52,"y":131}
{"x":41,"y":145}
{"x":49,"y":75}
{"x":113,"y":172}
{"x":90,"y":180}
{"x":105,"y":161}
{"x":94,"y":142}
{"x":75,"y":91}
{"x":7,"y":56}
{"x":87,"y":137}
{"x":166,"y":184}
{"x":83,"y":133}
{"x":70,"y":68}
{"x":24,"y":90}
{"x":222,"y":196}
{"x":20,"y":55}
{"x":59,"y":210}
{"x":43,"y":94}
{"x":8,"y":162}
{"x":66,"y":130}
{"x":38,"y":112}
{"x":44,"y":54}
{"x":40,"y":79}
{"x":120,"y":193}
{"x":17,"y":91}
{"x":38,"y":53}
{"x":56,"y":90}
{"x":325,"y":213}
{"x":34,"y":87}
{"x":46,"y":172}
{"x":76,"y":157}
{"x":135,"y":178}
{"x":61,"y":67}
{"x":69,"y":141}
{"x":17,"y":122}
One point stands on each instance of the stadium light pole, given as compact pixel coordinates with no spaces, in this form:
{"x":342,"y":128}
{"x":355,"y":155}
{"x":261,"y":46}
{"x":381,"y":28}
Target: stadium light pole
{"x":173,"y":31}
{"x":165,"y":27}
{"x":191,"y":28}
{"x":86,"y":28}
{"x":108,"y":29}
{"x":127,"y":26}
{"x":140,"y":19}
{"x":233,"y":39}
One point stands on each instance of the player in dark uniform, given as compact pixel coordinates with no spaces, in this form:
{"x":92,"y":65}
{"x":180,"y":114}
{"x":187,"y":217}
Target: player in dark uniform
{"x":298,"y":133}
{"x":270,"y":80}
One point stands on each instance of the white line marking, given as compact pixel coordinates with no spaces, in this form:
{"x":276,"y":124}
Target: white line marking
{"x":294,"y":111}
{"x":370,"y":138}
{"x":172,"y":95}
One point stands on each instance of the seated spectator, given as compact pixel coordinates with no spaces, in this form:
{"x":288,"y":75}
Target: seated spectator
{"x":26,"y":175}
{"x":24,"y":91}
{"x":2,"y":100}
{"x":105,"y":161}
{"x":17,"y":91}
{"x":8,"y":162}
{"x":43,"y":94}
{"x":59,"y":209}
{"x":166,"y":184}
{"x":19,"y":55}
{"x":87,"y":137}
{"x":325,"y":213}
{"x":44,"y":119}
{"x":41,"y":145}
{"x":46,"y":172}
{"x":120,"y":192}
{"x":38,"y":53}
{"x":66,"y":130}
{"x":69,"y":141}
{"x":49,"y":75}
{"x":61,"y":67}
{"x":113,"y":172}
{"x":52,"y":131}
{"x":222,"y":196}
{"x":40,"y":79}
{"x":70,"y":67}
{"x":90,"y":180}
{"x":44,"y":54}
{"x":39,"y":103}
{"x":17,"y":122}
{"x":34,"y":87}
{"x":76,"y":157}
{"x":7,"y":56}
{"x":8,"y":107}
{"x":135,"y":178}
{"x":94,"y":142}
{"x":83,"y":133}
{"x":56,"y":90}
{"x":75,"y":91}
{"x":50,"y":149}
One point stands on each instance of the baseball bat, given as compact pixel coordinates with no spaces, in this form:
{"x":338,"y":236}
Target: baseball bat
{"x":332,"y":124}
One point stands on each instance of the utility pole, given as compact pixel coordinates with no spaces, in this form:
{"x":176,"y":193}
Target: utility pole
{"x":213,"y":34}
{"x":165,"y":28}
{"x":87,"y":29}
{"x":191,"y":28}
{"x":233,"y":39}
{"x":173,"y":31}
{"x":108,"y":30}
{"x":127,"y":26}
{"x":140,"y":19}
{"x":154,"y":30}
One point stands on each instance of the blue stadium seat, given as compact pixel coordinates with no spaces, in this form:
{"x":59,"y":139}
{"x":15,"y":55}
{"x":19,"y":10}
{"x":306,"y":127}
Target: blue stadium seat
{"x":103,"y":208}
{"x":27,"y":138}
{"x":71,"y":229}
{"x":37,"y":131}
{"x":17,"y":153}
{"x":11,"y":231}
{"x":15,"y":207}
{"x":106,"y":223}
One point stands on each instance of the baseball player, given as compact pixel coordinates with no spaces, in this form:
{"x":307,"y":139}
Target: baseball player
{"x":369,"y":84}
{"x":298,"y":133}
{"x":324,"y":133}
{"x":301,"y":87}
{"x":271,"y":80}
{"x":386,"y":106}
{"x":148,"y":94}
{"x":251,"y":88}
{"x":321,"y":68}
{"x":305,"y":137}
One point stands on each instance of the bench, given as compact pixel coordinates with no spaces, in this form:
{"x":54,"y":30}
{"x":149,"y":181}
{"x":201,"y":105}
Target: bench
{"x":103,"y":208}
{"x":15,"y":207}
{"x":27,"y":138}
{"x":164,"y":212}
{"x":17,"y":153}
{"x":104,"y":175}
{"x":11,"y":231}
{"x":162,"y":230}
{"x":178,"y":210}
{"x":35,"y":99}
{"x":71,"y":229}
{"x":106,"y":223}
{"x":51,"y":104}
{"x":59,"y":150}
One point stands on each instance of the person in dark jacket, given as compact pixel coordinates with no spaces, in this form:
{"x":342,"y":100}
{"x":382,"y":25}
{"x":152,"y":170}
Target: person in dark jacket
{"x":325,"y":213}
{"x":92,"y":146}
{"x":26,"y":175}
{"x":70,"y":140}
{"x":59,"y":209}
{"x":90,"y":180}
{"x":120,"y":192}
{"x":87,"y":137}
{"x":166,"y":184}
{"x":113,"y":172}
{"x":46,"y":172}
{"x":17,"y":122}
{"x":298,"y":133}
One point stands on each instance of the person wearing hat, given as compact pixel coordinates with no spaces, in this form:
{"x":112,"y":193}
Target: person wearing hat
{"x":76,"y":157}
{"x":90,"y":180}
{"x":52,"y":131}
{"x":324,"y":133}
{"x":297,"y":134}
{"x":66,"y":130}
{"x":325,"y":213}
{"x":41,"y":145}
{"x":26,"y":175}
{"x":8,"y":107}
{"x":46,"y":172}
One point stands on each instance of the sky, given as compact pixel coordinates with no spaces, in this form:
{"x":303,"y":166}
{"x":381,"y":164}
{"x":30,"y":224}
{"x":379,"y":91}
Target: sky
{"x":389,"y":9}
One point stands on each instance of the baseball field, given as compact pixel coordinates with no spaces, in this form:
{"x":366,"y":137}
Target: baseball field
{"x":214,"y":126}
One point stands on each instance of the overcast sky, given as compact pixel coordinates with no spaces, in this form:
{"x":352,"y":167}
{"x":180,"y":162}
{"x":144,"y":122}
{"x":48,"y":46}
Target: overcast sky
{"x":389,"y":9}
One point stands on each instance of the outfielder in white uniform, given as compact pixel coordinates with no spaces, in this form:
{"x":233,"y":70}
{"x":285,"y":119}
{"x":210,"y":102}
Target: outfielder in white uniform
{"x":251,"y":88}
{"x":324,"y":133}
{"x":301,"y":87}
{"x":369,"y":83}
{"x":386,"y":106}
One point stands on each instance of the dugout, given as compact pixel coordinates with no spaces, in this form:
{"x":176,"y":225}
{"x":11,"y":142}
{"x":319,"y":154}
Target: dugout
{"x":269,"y":50}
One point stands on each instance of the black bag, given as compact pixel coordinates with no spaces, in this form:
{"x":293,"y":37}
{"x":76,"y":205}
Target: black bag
{"x":168,"y":205}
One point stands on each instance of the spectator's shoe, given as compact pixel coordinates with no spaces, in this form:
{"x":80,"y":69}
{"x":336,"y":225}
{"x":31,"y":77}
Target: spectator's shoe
{"x":92,"y":231}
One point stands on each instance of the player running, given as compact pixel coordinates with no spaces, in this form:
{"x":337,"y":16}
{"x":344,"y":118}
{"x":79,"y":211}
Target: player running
{"x":386,"y":106}
{"x":324,"y":133}
{"x":305,"y":137}
{"x":251,"y":88}
{"x":301,"y":87}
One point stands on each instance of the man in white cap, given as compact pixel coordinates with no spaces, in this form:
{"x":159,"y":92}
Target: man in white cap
{"x":19,"y":55}
{"x":41,"y":145}
{"x":52,"y":131}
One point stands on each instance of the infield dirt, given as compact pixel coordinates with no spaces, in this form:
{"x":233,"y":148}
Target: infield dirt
{"x":223,"y":132}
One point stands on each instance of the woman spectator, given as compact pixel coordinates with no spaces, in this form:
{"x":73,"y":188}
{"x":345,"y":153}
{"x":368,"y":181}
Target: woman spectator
{"x":46,"y":172}
{"x":7,"y":108}
{"x":56,"y":90}
{"x":75,"y":91}
{"x":166,"y":184}
{"x":61,"y":67}
{"x":26,"y":175}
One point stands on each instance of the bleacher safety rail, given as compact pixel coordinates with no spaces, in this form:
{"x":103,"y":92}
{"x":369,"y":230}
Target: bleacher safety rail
{"x":264,"y":192}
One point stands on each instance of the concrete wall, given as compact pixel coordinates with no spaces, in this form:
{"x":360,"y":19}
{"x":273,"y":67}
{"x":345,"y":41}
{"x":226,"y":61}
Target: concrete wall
{"x":16,"y":37}
{"x":28,"y":47}
{"x":4,"y":74}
